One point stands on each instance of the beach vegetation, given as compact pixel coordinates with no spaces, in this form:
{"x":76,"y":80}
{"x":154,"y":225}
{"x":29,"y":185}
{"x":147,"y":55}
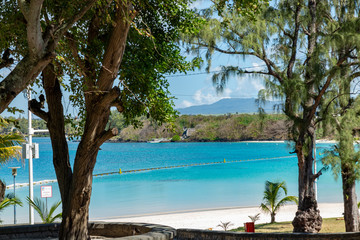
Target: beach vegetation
{"x":295,"y":43}
{"x":225,"y":225}
{"x":273,"y":201}
{"x":46,"y":215}
{"x":175,"y":138}
{"x":9,"y":200}
{"x":255,"y":217}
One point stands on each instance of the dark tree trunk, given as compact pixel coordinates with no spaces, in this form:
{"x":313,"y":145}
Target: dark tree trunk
{"x":76,"y":210}
{"x":2,"y":191}
{"x":307,"y":218}
{"x":351,"y":211}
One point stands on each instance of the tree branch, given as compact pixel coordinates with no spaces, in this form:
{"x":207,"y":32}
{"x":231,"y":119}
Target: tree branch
{"x":32,"y":12}
{"x":68,"y":24}
{"x":35,"y":107}
{"x":74,"y":51}
{"x":106,"y":135}
{"x":294,"y":42}
{"x":116,"y":45}
{"x":110,"y":97}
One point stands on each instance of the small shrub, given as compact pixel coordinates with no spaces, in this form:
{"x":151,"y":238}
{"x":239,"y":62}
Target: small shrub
{"x":255,"y":217}
{"x":175,"y":138}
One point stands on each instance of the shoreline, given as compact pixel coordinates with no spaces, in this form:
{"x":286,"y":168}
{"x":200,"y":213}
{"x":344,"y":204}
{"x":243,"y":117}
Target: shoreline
{"x":210,"y":218}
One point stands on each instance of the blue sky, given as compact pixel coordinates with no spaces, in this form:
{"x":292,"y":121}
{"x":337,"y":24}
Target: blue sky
{"x":196,"y":87}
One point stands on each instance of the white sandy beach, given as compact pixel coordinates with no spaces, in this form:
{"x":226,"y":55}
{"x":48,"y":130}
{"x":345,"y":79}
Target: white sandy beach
{"x":210,"y":218}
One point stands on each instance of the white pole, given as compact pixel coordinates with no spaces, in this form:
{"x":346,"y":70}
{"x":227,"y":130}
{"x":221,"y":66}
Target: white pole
{"x":315,"y":182}
{"x":31,"y":185}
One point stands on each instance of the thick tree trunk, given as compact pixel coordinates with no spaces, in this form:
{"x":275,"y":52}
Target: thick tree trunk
{"x":307,"y":218}
{"x":351,"y":211}
{"x":76,"y":210}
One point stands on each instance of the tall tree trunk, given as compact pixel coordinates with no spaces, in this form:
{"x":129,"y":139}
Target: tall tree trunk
{"x":351,"y":211}
{"x":307,"y":218}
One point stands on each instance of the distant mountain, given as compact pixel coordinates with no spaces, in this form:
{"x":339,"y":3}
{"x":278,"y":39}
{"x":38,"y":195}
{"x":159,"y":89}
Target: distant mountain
{"x":228,"y":105}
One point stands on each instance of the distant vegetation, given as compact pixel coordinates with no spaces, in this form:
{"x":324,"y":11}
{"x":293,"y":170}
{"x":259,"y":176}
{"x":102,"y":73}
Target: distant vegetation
{"x":201,"y":128}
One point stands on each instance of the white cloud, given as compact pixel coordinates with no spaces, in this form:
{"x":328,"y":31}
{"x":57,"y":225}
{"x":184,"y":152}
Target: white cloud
{"x":185,"y":104}
{"x":206,"y":95}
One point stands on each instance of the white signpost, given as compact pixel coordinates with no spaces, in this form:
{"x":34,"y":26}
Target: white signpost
{"x":46,"y":192}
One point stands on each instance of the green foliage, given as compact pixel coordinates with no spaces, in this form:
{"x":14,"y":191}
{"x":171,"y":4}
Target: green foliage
{"x":9,"y":200}
{"x":344,"y":156}
{"x":45,"y":214}
{"x":248,"y":8}
{"x":272,"y":202}
{"x":175,"y":138}
{"x":9,"y":144}
{"x":151,"y":53}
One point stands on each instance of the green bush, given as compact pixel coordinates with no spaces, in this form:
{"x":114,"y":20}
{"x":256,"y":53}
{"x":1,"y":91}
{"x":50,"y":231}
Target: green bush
{"x":175,"y":138}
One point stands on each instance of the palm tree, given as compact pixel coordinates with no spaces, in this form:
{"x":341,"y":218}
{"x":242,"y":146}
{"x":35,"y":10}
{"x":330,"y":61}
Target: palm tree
{"x":225,"y":225}
{"x":272,"y":194}
{"x":45,"y":215}
{"x":9,"y":200}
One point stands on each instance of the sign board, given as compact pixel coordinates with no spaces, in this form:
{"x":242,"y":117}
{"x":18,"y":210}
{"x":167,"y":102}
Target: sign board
{"x":46,"y":191}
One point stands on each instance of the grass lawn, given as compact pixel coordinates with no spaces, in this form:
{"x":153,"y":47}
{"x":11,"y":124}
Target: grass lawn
{"x":330,"y":225}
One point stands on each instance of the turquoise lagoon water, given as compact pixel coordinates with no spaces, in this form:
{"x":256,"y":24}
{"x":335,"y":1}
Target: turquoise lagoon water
{"x":174,"y":189}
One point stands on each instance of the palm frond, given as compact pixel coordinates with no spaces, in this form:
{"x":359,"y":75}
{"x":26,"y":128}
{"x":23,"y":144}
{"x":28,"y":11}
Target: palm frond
{"x":39,"y":207}
{"x":53,"y":207}
{"x":265,"y":208}
{"x":10,"y":202}
{"x":45,"y":215}
{"x":285,"y":200}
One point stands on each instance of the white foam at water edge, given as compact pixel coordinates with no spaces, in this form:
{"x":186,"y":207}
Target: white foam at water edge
{"x":19,"y":185}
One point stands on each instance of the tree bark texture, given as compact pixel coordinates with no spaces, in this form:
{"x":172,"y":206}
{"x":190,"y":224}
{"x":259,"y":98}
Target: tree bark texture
{"x":351,"y":211}
{"x":2,"y":190}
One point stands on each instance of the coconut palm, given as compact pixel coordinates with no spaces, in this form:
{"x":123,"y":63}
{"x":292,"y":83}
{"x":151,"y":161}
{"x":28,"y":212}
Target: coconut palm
{"x":45,"y":214}
{"x":272,"y":202}
{"x":9,"y":200}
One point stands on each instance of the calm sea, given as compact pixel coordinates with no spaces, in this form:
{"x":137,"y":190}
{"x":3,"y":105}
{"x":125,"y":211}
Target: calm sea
{"x":174,"y":189}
